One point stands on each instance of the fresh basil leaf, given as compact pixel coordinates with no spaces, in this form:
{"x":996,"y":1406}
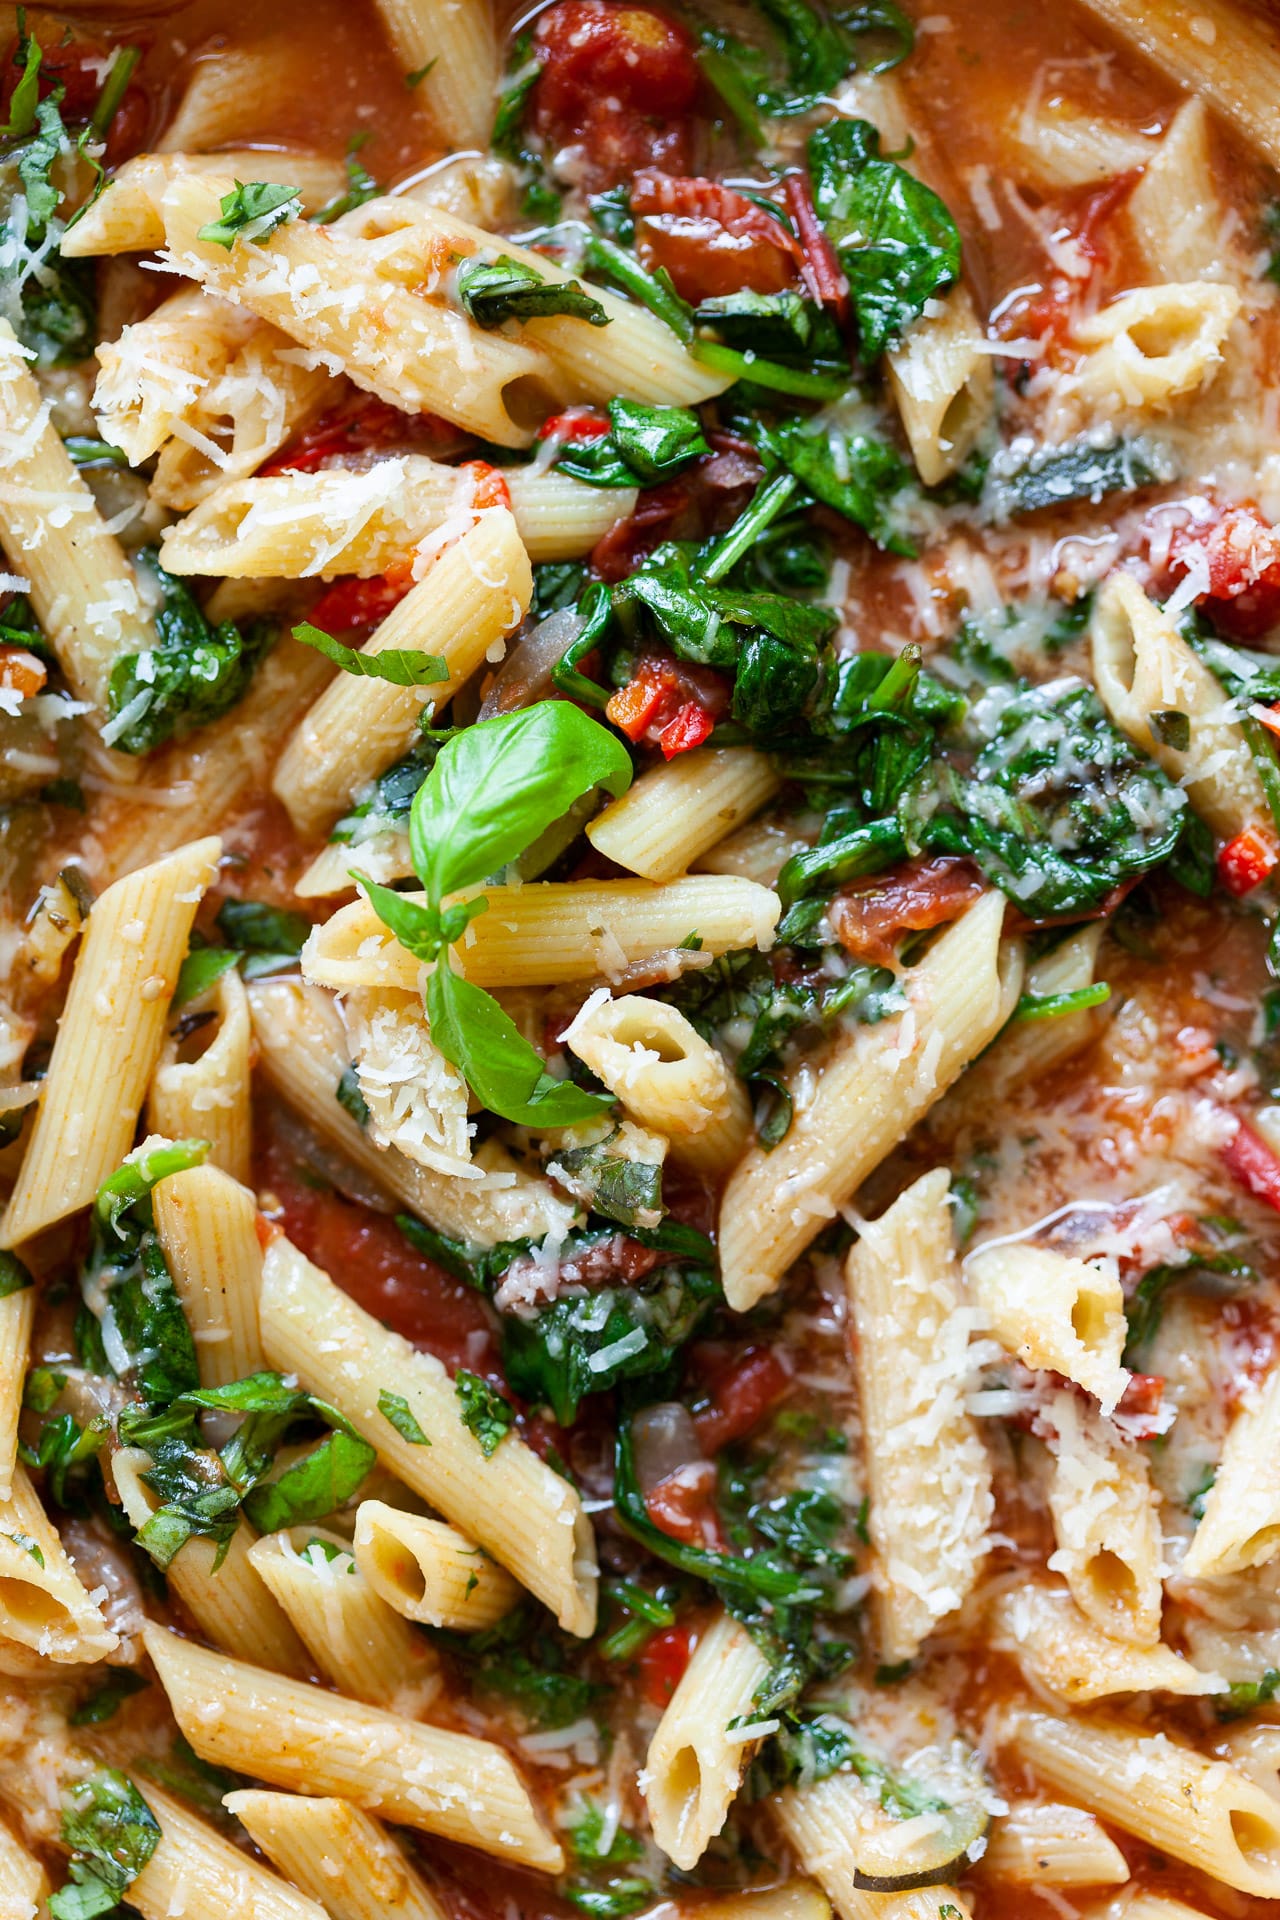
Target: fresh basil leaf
{"x":401,"y":666}
{"x":270,"y":938}
{"x":484,"y":1413}
{"x":395,"y":1408}
{"x":361,"y":185}
{"x":1246,"y":1696}
{"x":504,"y":1072}
{"x":896,"y":241}
{"x":583,"y":1345}
{"x":202,"y":968}
{"x":132,"y":1182}
{"x":351,"y":1099}
{"x":196,"y":674}
{"x":26,"y":94}
{"x":111,"y":1833}
{"x":498,"y":785}
{"x":881,"y":33}
{"x":418,"y":928}
{"x":850,"y":471}
{"x":153,"y":1330}
{"x":251,"y":211}
{"x":324,"y":1479}
{"x":106,"y":1699}
{"x":491,"y":291}
{"x":15,"y":1275}
{"x":609,"y":1183}
{"x":777,"y":326}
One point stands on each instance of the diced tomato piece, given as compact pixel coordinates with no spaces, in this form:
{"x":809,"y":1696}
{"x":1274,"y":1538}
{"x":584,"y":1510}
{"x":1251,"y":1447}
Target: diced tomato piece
{"x":617,"y":81}
{"x":691,"y":726}
{"x":573,"y":425}
{"x":820,"y":266}
{"x":489,"y":485}
{"x":1245,"y":862}
{"x":632,"y":708}
{"x":21,"y":671}
{"x":871,"y":916}
{"x":741,"y":1396}
{"x":352,"y":605}
{"x":360,"y":424}
{"x":711,"y":240}
{"x":662,"y":1661}
{"x":1242,"y":554}
{"x":1249,"y":1159}
{"x":683,"y":1505}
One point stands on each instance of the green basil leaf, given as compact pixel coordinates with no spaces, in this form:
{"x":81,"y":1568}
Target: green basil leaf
{"x":395,"y":1408}
{"x":105,"y":1700}
{"x":655,"y":442}
{"x":498,"y":785}
{"x":484,"y":1413}
{"x":251,"y":211}
{"x":202,"y":969}
{"x":401,"y":666}
{"x":491,"y":291}
{"x":503,"y":1071}
{"x":134,"y":1180}
{"x":111,"y":1831}
{"x":14,"y":1275}
{"x":258,"y":928}
{"x":324,"y":1479}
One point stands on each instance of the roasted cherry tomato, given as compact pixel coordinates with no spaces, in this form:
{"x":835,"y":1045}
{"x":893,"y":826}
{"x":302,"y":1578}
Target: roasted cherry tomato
{"x":711,"y":240}
{"x":662,"y":1661}
{"x":1245,"y":862}
{"x":618,"y":81}
{"x":871,"y":916}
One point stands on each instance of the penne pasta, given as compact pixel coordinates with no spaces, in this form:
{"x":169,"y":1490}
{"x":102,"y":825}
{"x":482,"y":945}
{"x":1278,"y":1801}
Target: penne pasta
{"x":208,"y":1097}
{"x":1105,"y":1522}
{"x":207,"y":1228}
{"x":512,"y":1504}
{"x":452,"y":54}
{"x":1050,"y":1845}
{"x":1240,"y":1527}
{"x":702,"y":1743}
{"x":429,"y":1572}
{"x":125,"y":218}
{"x":293,"y":1735}
{"x":1054,"y":1312}
{"x":109,"y":1037}
{"x":336,"y":1854}
{"x":677,"y":812}
{"x":874,"y":1086}
{"x":1060,"y":1648}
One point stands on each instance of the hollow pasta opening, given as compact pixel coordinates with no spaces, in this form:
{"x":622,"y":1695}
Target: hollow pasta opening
{"x":26,"y":1605}
{"x":1112,"y":1581}
{"x":398,"y":1568}
{"x":1089,"y":1319}
{"x":1257,"y":1836}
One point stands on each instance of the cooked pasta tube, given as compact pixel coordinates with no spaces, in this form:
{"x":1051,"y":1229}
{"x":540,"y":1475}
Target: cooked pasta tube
{"x":876,"y":1083}
{"x":23,"y":1885}
{"x":331,"y":292}
{"x":561,"y":518}
{"x":208,"y":1098}
{"x":430,"y":1572}
{"x":453,"y":51}
{"x":233,"y":90}
{"x":109,"y":1037}
{"x":512,"y":1504}
{"x":666,"y":1076}
{"x":258,"y":401}
{"x":303,"y":1053}
{"x":1058,"y":1647}
{"x":335,"y":1854}
{"x":701,"y":1745}
{"x":1143,"y":666}
{"x":1176,"y":213}
{"x":470,"y":600}
{"x":553,"y":931}
{"x":125,"y":218}
{"x":298,"y":1736}
{"x":1050,"y":1845}
{"x":384,"y":856}
{"x":1106,"y":1524}
{"x":206,"y":1223}
{"x":1136,"y":1904}
{"x":636,"y":354}
{"x":680,"y":810}
{"x":81,"y":587}
{"x":225,"y":1595}
{"x":43,"y":1603}
{"x":299,"y":525}
{"x":17,"y":1312}
{"x":820,"y":1823}
{"x":155,"y":372}
{"x":1052,"y":1311}
{"x":942,"y":381}
{"x":1218,"y":49}
{"x":1201,"y":1811}
{"x":1240,"y":1527}
{"x":195,"y":1871}
{"x":930,"y":1501}
{"x":355,"y":1639}
{"x":1029,"y":1048}
{"x":1153,"y":346}
{"x":756,"y":852}
{"x":795,"y":1900}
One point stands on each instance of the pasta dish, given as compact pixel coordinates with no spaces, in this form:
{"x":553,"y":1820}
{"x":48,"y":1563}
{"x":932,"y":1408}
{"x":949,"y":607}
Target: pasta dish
{"x":640,"y":960}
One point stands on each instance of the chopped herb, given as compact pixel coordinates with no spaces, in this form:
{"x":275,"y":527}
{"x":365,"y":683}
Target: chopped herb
{"x":361,"y":185}
{"x":1246,"y":1696}
{"x":1051,"y":1006}
{"x":395,"y":1408}
{"x":401,"y":666}
{"x":491,"y":291}
{"x":107,"y":1698}
{"x":622,"y":1189}
{"x":202,"y":969}
{"x":14,"y":1275}
{"x":252,"y":212}
{"x":27,"y":1545}
{"x":484,"y":1413}
{"x":112,"y":1834}
{"x":197,"y":673}
{"x":271,"y":938}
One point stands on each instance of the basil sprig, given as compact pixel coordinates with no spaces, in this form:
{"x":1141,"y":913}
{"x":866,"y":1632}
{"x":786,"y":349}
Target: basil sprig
{"x":493,"y":790}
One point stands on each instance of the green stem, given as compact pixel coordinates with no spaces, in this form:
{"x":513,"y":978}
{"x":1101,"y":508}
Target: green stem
{"x":767,"y":373}
{"x":772,"y":497}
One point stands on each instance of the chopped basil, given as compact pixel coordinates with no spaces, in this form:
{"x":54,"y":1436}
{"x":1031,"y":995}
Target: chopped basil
{"x":112,"y":1834}
{"x":251,"y":211}
{"x":395,"y":1408}
{"x":401,"y":666}
{"x":492,"y":291}
{"x":484,"y":1413}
